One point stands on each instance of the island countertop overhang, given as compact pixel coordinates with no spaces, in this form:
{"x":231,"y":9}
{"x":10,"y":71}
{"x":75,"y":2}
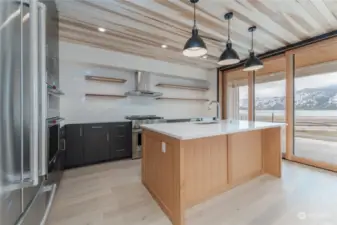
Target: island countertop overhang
{"x":188,"y":130}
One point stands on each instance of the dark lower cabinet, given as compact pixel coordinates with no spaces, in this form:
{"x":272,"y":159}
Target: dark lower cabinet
{"x":121,"y":140}
{"x":93,"y":143}
{"x":74,"y":145}
{"x":96,"y":143}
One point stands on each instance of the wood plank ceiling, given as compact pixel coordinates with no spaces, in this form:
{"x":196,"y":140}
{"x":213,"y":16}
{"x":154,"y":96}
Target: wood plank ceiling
{"x":140,"y":27}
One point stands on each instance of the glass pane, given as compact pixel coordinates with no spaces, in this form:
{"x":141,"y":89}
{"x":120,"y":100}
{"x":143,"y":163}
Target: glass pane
{"x":243,"y":96}
{"x":237,"y":99}
{"x":315,"y":106}
{"x":270,"y":98}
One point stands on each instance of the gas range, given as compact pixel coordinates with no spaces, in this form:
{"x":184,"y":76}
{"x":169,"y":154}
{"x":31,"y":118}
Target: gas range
{"x":138,"y":120}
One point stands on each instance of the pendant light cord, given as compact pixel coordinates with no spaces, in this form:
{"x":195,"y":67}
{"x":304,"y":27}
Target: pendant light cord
{"x":195,"y":23}
{"x":229,"y":32}
{"x":252,"y":49}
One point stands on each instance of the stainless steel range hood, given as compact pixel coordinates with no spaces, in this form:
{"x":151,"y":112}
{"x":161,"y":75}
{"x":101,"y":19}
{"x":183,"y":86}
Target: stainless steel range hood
{"x":142,"y":86}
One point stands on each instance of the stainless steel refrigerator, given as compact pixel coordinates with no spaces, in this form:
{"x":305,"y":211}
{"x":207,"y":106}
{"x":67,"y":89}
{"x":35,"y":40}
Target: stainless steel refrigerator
{"x":25,"y":196}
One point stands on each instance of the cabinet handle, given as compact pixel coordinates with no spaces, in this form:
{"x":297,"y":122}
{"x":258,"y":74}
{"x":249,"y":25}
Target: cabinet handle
{"x":120,"y":125}
{"x":81,"y":131}
{"x":107,"y":137}
{"x":96,"y":127}
{"x":120,"y":136}
{"x":64,"y":145}
{"x":120,"y":150}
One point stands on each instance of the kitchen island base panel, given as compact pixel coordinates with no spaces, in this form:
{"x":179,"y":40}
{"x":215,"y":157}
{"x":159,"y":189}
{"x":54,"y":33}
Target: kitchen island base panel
{"x":162,"y":173}
{"x":182,"y":173}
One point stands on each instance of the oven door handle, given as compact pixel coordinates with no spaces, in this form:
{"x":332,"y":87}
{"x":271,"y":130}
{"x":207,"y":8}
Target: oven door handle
{"x":137,"y":131}
{"x":63,"y":148}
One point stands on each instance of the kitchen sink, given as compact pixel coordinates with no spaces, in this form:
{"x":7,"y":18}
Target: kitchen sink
{"x":208,"y":122}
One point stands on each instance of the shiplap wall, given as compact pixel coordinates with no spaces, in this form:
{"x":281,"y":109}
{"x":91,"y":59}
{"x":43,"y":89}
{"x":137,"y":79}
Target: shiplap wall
{"x":76,"y":108}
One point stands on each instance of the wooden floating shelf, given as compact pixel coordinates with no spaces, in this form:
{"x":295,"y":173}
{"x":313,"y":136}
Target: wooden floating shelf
{"x":184,"y":99}
{"x":105,"y":96}
{"x":183,"y":87}
{"x":105,"y":79}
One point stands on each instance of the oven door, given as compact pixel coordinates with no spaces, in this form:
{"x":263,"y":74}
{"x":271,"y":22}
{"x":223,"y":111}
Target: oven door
{"x":56,"y":155}
{"x":136,"y":143}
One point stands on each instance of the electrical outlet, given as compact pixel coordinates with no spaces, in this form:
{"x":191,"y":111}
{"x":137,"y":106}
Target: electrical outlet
{"x":163,"y":147}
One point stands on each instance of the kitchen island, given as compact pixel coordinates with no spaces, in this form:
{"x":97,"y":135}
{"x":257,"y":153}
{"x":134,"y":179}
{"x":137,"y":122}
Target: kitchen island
{"x":185,"y":164}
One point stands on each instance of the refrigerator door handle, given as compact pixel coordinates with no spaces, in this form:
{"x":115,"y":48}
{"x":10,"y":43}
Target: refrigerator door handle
{"x":34,"y":91}
{"x":43,"y":150}
{"x":42,"y":190}
{"x":29,"y":206}
{"x":52,"y":189}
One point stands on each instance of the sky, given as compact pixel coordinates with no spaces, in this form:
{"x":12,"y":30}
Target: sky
{"x":277,"y":88}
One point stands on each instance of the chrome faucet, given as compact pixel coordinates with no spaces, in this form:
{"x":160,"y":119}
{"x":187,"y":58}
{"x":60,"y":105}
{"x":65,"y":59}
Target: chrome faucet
{"x":218,"y":108}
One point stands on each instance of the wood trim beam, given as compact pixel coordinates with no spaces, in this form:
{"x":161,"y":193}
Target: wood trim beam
{"x":290,"y":67}
{"x":317,"y":45}
{"x":219,"y":92}
{"x":251,"y":96}
{"x":224,"y":96}
{"x":222,"y":86}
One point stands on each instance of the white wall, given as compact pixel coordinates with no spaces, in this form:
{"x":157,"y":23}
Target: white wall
{"x":85,"y":54}
{"x":77,"y":109}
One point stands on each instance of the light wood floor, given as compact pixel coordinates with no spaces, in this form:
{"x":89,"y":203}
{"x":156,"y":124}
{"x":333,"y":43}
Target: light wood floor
{"x":112,"y":194}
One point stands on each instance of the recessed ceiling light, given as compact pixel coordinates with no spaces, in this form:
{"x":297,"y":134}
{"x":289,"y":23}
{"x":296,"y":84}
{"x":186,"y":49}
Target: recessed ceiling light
{"x":204,"y":57}
{"x":164,"y":46}
{"x":101,"y":29}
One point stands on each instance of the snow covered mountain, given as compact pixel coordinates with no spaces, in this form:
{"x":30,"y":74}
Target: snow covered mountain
{"x":324,"y":98}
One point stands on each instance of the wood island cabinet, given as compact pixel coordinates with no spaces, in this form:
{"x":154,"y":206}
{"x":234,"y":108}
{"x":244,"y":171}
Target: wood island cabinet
{"x":184,"y":164}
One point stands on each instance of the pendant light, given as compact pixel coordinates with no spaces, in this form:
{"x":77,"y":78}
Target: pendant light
{"x":195,"y":46}
{"x":229,"y":56}
{"x":253,"y":63}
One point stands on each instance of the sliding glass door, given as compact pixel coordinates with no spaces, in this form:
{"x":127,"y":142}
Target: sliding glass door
{"x":315,"y":112}
{"x":300,"y":89}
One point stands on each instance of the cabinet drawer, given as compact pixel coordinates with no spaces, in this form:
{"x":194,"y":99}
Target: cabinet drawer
{"x":96,"y":126}
{"x":118,"y":142}
{"x":120,"y":130}
{"x":121,"y":153}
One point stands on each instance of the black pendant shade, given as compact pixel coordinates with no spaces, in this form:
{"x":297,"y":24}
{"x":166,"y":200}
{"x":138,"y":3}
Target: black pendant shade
{"x":229,"y":56}
{"x":253,"y":63}
{"x":195,"y":46}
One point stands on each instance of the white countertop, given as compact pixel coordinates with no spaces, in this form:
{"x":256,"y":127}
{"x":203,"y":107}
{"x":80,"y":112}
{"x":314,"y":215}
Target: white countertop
{"x":191,"y":130}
